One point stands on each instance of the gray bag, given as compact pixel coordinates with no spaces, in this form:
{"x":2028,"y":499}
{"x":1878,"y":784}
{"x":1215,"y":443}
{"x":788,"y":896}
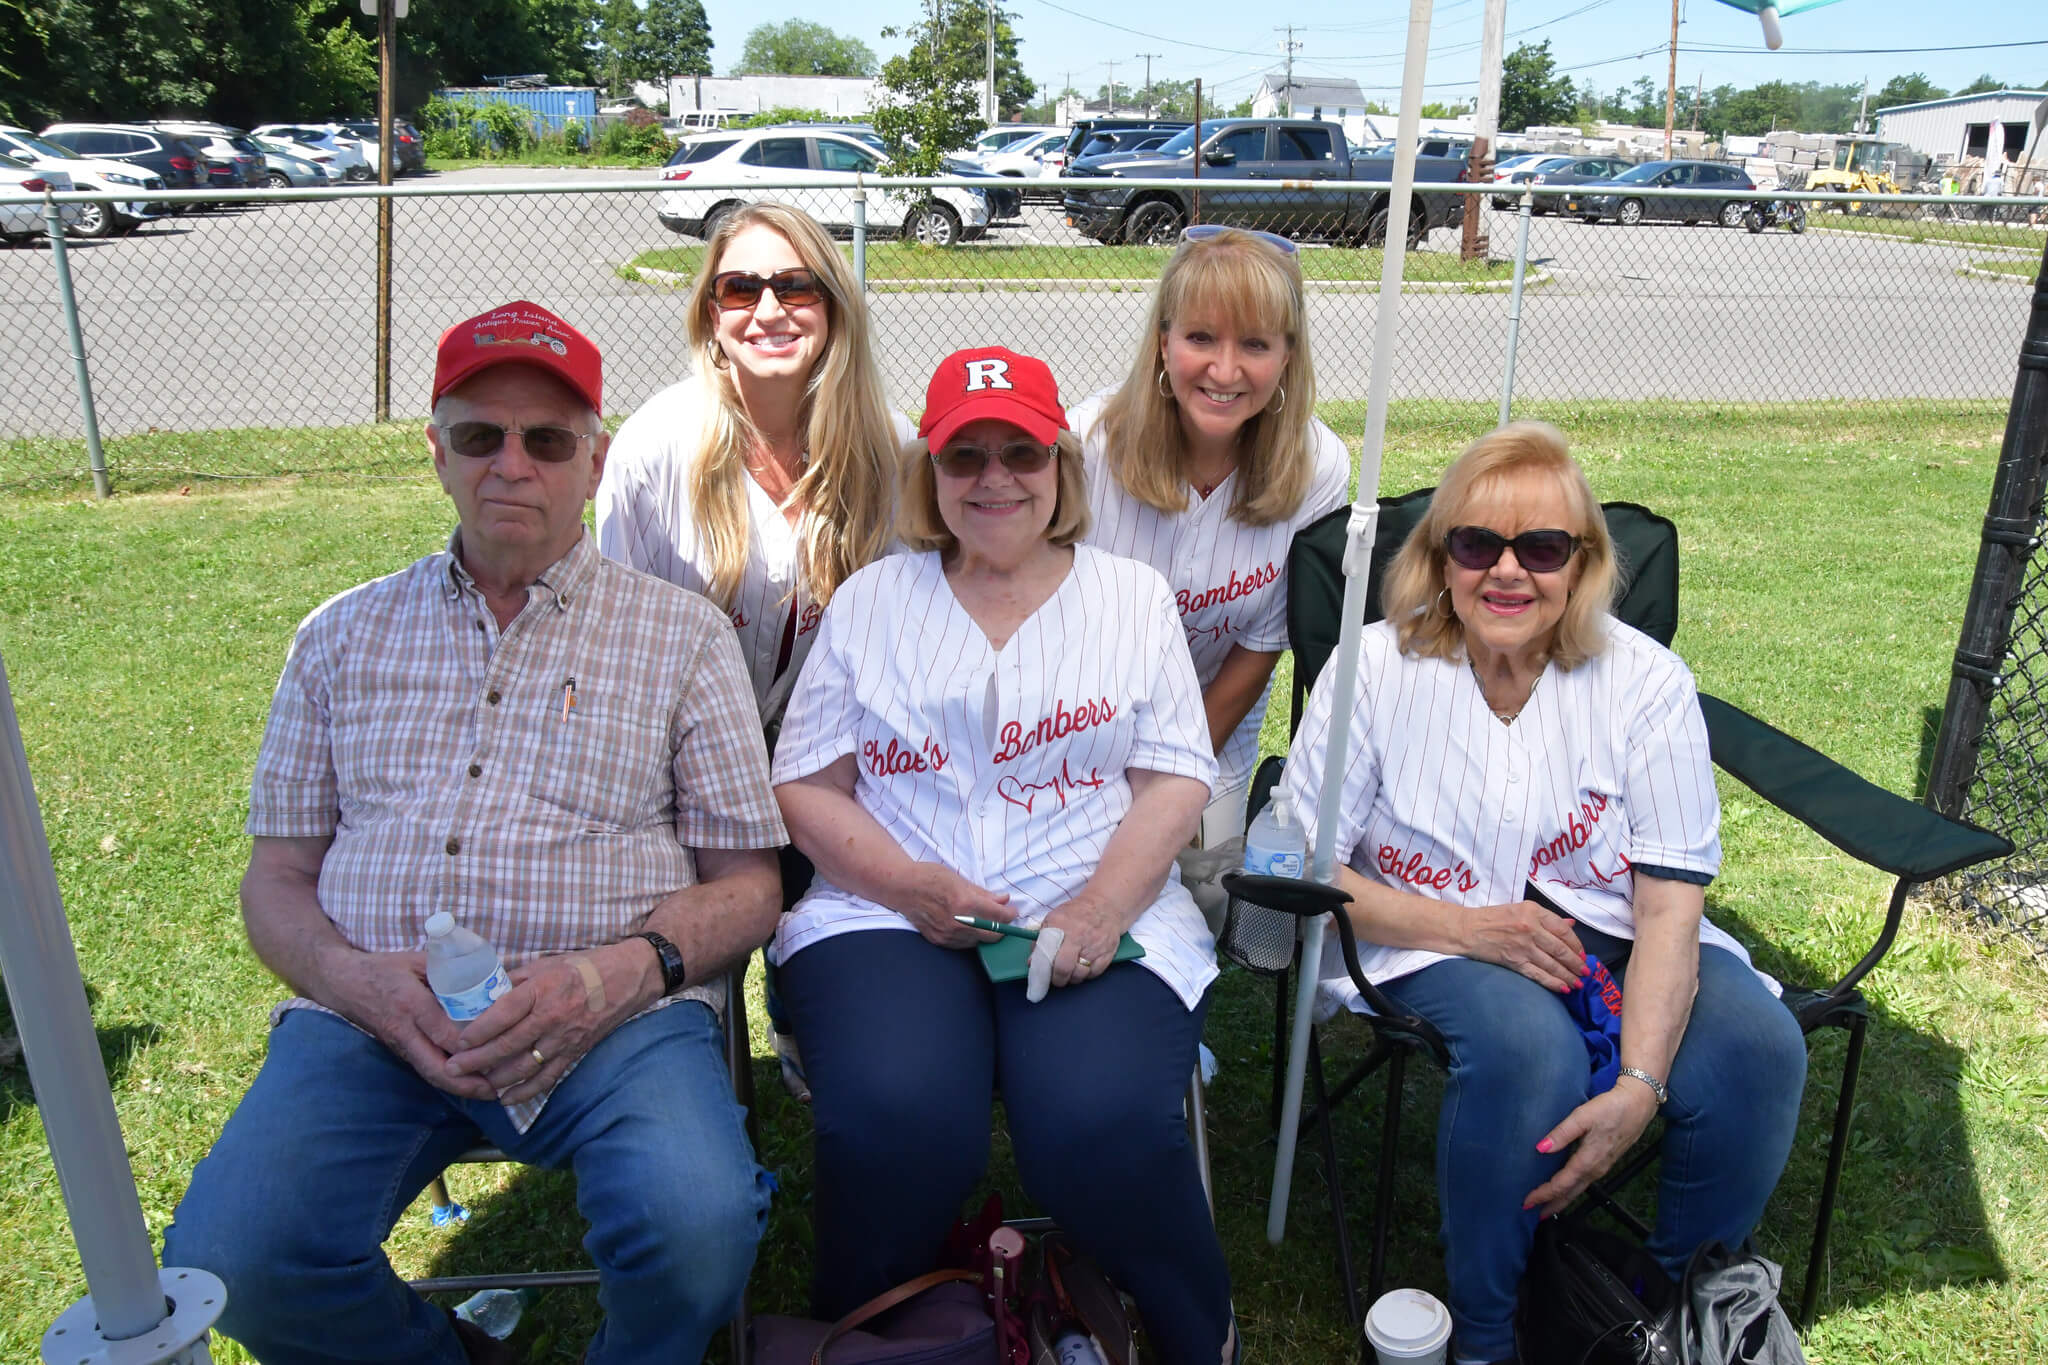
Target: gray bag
{"x":1729,"y":1313}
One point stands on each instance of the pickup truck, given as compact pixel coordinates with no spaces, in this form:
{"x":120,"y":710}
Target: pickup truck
{"x":1277,"y":156}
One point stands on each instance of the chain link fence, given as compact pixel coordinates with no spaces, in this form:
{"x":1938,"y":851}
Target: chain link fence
{"x":238,"y":339}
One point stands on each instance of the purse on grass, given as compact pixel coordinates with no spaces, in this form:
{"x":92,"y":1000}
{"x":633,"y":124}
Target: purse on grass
{"x":935,"y":1319}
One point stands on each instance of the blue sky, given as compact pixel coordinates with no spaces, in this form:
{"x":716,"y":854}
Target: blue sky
{"x":1228,"y":42}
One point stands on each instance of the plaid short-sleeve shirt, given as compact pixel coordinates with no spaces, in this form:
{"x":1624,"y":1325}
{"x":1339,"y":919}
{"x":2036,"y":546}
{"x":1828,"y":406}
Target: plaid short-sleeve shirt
{"x":545,"y":784}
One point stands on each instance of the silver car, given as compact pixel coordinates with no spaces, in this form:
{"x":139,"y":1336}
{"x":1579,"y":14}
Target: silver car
{"x":20,"y":222}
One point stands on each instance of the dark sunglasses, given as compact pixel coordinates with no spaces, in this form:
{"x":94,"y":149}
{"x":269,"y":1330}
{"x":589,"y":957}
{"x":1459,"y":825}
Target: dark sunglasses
{"x":796,"y":288}
{"x":965,"y":461}
{"x":550,"y":445}
{"x":1202,"y":232}
{"x":1475,"y":547}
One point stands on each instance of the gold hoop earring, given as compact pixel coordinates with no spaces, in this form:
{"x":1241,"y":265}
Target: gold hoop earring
{"x":1165,"y":385}
{"x":1443,"y":602}
{"x":716,"y":355}
{"x":1279,"y":398}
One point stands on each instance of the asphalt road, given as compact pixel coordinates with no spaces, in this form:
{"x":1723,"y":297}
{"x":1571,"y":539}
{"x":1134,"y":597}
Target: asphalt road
{"x":266,"y":316}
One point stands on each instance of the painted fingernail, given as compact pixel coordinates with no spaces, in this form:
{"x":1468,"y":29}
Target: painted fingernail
{"x":1527,"y":1205}
{"x":1543,"y":1146}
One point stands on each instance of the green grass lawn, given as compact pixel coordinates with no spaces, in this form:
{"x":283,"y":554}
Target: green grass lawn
{"x":2023,"y":267}
{"x":909,"y":261}
{"x":1828,"y":556}
{"x":1919,"y":229}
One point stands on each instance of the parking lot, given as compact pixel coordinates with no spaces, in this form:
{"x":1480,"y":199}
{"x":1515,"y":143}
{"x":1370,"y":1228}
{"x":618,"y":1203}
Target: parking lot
{"x":265,"y":316}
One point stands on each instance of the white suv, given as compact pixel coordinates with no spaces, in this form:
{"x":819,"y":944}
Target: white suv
{"x":87,"y":173}
{"x":815,"y":171}
{"x":358,"y":160}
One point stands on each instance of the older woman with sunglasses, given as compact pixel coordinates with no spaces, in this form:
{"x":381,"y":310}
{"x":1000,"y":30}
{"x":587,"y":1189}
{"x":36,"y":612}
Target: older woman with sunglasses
{"x":1003,"y":727}
{"x":1527,"y":789}
{"x":768,"y":476}
{"x":1204,"y":464}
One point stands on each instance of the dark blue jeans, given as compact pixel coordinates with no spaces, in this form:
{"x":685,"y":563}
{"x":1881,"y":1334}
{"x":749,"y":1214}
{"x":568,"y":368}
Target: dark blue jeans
{"x":338,"y":1135}
{"x":905,"y":1044}
{"x":1518,"y":1066}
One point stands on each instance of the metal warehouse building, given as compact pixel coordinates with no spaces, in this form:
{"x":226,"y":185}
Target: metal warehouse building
{"x":1995,"y":124}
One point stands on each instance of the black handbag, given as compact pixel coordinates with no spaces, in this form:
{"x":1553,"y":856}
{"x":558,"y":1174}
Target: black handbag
{"x":1594,"y":1297}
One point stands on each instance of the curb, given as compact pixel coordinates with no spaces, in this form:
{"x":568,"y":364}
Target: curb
{"x":2027,"y":280}
{"x":1535,"y":276}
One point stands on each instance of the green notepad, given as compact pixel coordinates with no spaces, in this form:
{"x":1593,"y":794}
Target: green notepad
{"x":1009,"y":959}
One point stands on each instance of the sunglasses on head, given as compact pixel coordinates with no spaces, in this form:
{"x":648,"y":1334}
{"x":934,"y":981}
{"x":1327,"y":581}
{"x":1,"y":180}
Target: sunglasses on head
{"x":1202,"y":232}
{"x":1475,"y":547}
{"x":960,"y":460}
{"x":550,"y":445}
{"x":795,"y":288}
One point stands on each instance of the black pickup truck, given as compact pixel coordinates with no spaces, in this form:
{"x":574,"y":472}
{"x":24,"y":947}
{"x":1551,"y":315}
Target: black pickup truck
{"x":1284,"y":154}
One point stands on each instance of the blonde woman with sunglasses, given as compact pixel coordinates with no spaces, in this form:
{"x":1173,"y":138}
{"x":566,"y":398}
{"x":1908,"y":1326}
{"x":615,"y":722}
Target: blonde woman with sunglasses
{"x":767,"y":477}
{"x":1204,"y":464}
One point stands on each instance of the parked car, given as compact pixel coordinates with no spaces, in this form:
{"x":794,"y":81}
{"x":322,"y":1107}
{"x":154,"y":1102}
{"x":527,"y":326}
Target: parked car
{"x":1004,"y":201}
{"x":1623,"y":200}
{"x":1252,"y":171}
{"x":714,"y":175}
{"x":174,"y":160}
{"x":1112,"y":140}
{"x":1021,"y":158}
{"x":408,"y":150}
{"x":1055,"y":161}
{"x":232,"y":161}
{"x":1516,"y":170}
{"x":1574,"y":171}
{"x":285,"y":169}
{"x":345,"y":147}
{"x":1008,"y":135}
{"x":21,"y":222}
{"x":87,"y":173}
{"x":701,"y":121}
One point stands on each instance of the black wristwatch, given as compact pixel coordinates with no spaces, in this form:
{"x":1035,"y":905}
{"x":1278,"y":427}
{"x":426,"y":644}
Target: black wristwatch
{"x":671,"y":958}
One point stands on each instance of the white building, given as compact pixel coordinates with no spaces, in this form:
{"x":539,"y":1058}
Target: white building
{"x":1335,"y":99}
{"x":848,"y":97}
{"x":1996,"y":125}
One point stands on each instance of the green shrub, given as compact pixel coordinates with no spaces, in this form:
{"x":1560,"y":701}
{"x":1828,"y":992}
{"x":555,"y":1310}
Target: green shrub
{"x":574,"y":136}
{"x":787,"y":113}
{"x":635,"y":139}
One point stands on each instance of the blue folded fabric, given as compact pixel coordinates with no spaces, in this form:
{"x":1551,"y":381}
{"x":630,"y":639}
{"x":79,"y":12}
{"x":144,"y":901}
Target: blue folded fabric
{"x":1595,"y":1006}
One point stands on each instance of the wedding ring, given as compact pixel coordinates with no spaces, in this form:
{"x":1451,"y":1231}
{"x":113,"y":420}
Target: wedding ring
{"x":1083,"y":962}
{"x":538,"y":1060}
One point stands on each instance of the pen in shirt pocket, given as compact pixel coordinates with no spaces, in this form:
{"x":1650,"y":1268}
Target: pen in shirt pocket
{"x":568,"y":697}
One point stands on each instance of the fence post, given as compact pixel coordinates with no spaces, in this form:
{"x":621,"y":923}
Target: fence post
{"x":128,"y":1294}
{"x":102,"y":486}
{"x":1507,"y":381}
{"x":860,"y":233}
{"x":2011,"y":535}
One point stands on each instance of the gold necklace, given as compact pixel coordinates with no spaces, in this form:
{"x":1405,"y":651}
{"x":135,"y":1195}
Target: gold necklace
{"x":1504,"y":717}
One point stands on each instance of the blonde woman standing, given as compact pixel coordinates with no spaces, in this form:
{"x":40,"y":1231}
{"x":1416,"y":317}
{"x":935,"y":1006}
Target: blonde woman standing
{"x":767,"y":477}
{"x":1204,"y":464}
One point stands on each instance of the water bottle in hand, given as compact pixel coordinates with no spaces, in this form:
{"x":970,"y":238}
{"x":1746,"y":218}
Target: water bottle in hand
{"x":496,"y":1311}
{"x":1276,"y":845}
{"x":463,"y":968}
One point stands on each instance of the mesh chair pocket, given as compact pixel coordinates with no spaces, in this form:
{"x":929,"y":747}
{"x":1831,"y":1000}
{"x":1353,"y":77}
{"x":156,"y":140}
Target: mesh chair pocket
{"x":1257,"y":939}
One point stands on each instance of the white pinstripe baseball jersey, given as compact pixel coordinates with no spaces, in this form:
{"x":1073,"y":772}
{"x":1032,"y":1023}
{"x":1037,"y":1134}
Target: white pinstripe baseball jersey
{"x":644,"y":520}
{"x":1011,"y":766}
{"x":1606,"y":767}
{"x":1229,"y":580}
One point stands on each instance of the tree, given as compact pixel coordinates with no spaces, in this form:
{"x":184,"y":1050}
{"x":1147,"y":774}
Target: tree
{"x":962,"y":27}
{"x":930,"y":102}
{"x":1912,"y":89}
{"x":1438,"y":109}
{"x":1982,"y":84}
{"x":677,"y":38}
{"x":1532,"y":94}
{"x":801,"y":48}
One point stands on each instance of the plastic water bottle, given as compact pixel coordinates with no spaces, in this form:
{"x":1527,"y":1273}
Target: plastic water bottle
{"x":496,"y":1311}
{"x":1076,"y":1347}
{"x":463,"y":968}
{"x":1275,"y":845}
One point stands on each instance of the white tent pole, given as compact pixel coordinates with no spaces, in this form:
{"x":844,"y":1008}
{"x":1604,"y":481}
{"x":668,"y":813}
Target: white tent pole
{"x":1365,"y":512}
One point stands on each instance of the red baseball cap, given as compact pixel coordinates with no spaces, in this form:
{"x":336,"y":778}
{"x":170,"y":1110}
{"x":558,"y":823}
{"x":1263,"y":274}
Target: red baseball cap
{"x":520,"y":333}
{"x":992,"y":382}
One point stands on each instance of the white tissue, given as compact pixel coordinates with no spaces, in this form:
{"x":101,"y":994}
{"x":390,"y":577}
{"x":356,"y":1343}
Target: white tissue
{"x":1039,"y":980}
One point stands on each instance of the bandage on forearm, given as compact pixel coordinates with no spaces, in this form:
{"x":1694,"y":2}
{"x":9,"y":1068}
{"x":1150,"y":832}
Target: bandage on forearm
{"x":593,"y":984}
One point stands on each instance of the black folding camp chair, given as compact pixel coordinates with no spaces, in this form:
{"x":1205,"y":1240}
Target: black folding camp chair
{"x":1910,"y":841}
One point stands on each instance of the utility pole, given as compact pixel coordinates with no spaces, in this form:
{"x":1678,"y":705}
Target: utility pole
{"x":1486,"y":123}
{"x":1699,"y":88}
{"x":1289,"y":78}
{"x":1671,"y":84}
{"x":1148,"y":56}
{"x":1063,"y":100}
{"x":990,"y":97}
{"x":1112,"y":85}
{"x":1863,"y":107}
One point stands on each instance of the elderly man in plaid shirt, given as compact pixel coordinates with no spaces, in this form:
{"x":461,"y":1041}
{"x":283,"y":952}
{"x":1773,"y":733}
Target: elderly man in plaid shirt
{"x":563,"y":754}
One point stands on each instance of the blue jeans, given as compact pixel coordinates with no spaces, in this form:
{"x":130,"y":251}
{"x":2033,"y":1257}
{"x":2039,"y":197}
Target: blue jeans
{"x":338,"y":1135}
{"x":1518,"y":1066}
{"x":905,"y":1043}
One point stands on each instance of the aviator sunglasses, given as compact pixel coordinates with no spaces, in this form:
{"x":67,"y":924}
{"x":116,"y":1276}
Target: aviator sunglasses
{"x":1475,"y":547}
{"x":965,"y":461}
{"x":794,"y":288}
{"x":1202,"y":232}
{"x":475,"y":440}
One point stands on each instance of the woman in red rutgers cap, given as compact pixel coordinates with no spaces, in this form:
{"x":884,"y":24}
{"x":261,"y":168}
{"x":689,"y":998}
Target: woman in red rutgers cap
{"x":1004,"y":728}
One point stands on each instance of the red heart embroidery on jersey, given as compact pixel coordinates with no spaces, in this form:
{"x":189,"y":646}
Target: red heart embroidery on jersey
{"x":1004,"y":787}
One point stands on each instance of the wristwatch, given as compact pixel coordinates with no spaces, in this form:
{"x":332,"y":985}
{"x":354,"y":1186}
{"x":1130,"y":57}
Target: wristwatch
{"x":1657,"y":1087}
{"x":671,"y":959}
